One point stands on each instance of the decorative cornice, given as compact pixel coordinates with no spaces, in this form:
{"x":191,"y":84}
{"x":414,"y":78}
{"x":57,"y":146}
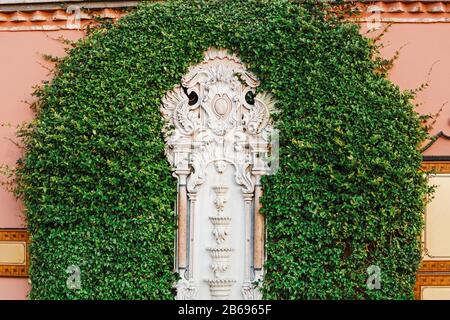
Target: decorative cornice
{"x":404,"y":11}
{"x":29,"y":15}
{"x":48,"y":5}
{"x":70,"y":19}
{"x":46,"y":15}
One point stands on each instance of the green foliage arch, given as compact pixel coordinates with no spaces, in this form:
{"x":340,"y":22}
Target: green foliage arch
{"x":99,"y":193}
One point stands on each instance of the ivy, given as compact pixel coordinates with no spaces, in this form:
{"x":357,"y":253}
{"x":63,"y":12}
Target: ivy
{"x":99,"y":193}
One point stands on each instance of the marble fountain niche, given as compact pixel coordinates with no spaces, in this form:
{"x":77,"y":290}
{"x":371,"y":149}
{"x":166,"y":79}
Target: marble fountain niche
{"x":218,"y":138}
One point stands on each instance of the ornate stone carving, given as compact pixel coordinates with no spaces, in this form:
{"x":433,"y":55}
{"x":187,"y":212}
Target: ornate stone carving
{"x":221,"y":199}
{"x":221,"y":126}
{"x":220,"y":260}
{"x":186,"y":290}
{"x":220,"y":230}
{"x":221,"y":254}
{"x":220,"y":288}
{"x":215,"y":118}
{"x":250,"y":291}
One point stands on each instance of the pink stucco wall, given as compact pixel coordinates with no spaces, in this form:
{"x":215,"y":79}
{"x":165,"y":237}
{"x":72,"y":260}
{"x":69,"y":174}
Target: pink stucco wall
{"x":22,"y":67}
{"x":14,"y":288}
{"x":424,"y":58}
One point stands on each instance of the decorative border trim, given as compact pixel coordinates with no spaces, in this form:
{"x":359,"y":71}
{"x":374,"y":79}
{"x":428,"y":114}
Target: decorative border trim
{"x":404,"y":11}
{"x":33,"y":5}
{"x":435,"y":266}
{"x":415,"y":7}
{"x":13,"y":270}
{"x":73,"y":18}
{"x":430,"y":280}
{"x":441,"y":168}
{"x":436,"y":166}
{"x":435,"y":273}
{"x":48,"y":15}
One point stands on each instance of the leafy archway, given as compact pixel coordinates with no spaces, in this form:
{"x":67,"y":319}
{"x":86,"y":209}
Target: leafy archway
{"x":98,"y":190}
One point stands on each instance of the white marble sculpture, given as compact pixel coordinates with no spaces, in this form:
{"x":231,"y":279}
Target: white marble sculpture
{"x":218,"y":143}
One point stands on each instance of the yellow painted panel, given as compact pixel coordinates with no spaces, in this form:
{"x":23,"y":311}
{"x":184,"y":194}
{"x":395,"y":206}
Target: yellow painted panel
{"x":12,"y":253}
{"x":437,"y":220}
{"x":435,"y":293}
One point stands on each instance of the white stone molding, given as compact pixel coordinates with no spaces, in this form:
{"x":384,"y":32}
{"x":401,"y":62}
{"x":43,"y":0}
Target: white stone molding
{"x":220,"y":288}
{"x":192,"y":211}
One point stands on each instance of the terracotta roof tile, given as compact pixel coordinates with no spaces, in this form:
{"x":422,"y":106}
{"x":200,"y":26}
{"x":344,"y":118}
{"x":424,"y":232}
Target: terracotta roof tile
{"x":38,"y":16}
{"x":18,"y":17}
{"x":437,"y":8}
{"x":60,"y":16}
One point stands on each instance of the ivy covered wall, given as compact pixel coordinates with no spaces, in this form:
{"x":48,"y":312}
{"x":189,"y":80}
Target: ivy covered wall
{"x":99,"y":193}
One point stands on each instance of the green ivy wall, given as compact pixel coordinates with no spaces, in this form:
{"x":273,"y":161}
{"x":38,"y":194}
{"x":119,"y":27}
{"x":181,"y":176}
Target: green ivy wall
{"x":99,"y":193}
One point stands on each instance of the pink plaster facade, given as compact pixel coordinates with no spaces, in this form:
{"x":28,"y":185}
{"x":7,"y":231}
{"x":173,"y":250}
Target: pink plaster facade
{"x":424,"y":57}
{"x":21,"y":68}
